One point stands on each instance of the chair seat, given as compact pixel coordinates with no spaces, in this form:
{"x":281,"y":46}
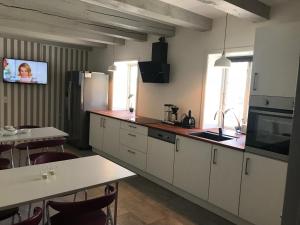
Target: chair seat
{"x":40,"y":144}
{"x":5,"y":147}
{"x":91,"y":218}
{"x":35,"y":155}
{"x":4,"y":214}
{"x":4,"y":163}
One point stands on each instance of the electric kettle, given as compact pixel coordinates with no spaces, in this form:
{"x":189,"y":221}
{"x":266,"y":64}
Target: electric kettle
{"x":188,"y":121}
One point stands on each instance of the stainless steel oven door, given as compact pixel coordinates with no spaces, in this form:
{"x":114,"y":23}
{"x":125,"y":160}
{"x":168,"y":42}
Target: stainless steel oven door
{"x":269,"y":132}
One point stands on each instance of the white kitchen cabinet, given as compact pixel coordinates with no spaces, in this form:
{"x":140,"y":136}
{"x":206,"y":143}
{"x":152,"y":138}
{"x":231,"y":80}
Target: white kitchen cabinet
{"x":96,"y":132}
{"x":104,"y":134}
{"x":160,"y":159}
{"x":225,"y":178}
{"x":133,"y":144}
{"x":111,"y":136}
{"x":133,"y":140}
{"x":262,"y":190}
{"x":133,"y":157}
{"x":134,"y":128}
{"x":276,"y":60}
{"x":192,"y":166}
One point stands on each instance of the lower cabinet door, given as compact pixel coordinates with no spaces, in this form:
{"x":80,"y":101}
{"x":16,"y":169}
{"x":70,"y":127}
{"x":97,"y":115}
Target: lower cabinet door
{"x":225,"y":178}
{"x":96,"y":132}
{"x":133,"y":157}
{"x":262,"y":190}
{"x":160,"y":159}
{"x":111,"y":136}
{"x":192,"y":166}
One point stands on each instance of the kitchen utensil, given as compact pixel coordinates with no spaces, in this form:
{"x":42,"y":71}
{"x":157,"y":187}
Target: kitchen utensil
{"x":188,"y":121}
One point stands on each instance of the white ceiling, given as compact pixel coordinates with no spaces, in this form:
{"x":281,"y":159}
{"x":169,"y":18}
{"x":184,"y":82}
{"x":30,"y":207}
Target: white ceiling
{"x":197,"y":7}
{"x":204,"y":9}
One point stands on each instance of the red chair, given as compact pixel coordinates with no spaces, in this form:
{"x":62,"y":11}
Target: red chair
{"x":9,"y":213}
{"x":89,"y":212}
{"x":41,"y":144}
{"x":35,"y":219}
{"x":4,"y":163}
{"x":47,"y":157}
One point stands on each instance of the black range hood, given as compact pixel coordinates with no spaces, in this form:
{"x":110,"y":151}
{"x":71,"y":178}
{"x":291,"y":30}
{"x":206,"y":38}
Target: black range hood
{"x":157,"y":70}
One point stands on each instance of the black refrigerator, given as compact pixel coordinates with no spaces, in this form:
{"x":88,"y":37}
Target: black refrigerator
{"x":84,"y":91}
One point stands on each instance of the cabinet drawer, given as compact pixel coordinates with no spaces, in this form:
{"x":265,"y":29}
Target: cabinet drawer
{"x":133,"y":140}
{"x":134,"y":128}
{"x":133,"y":157}
{"x":109,"y":122}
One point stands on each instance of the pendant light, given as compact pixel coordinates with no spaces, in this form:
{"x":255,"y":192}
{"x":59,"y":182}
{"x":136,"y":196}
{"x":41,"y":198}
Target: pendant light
{"x":112,"y":67}
{"x":223,"y":61}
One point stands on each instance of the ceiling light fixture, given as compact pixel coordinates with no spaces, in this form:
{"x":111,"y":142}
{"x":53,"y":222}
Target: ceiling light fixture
{"x":223,"y":61}
{"x":112,"y":67}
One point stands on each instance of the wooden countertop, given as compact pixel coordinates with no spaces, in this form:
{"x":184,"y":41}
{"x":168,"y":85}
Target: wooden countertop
{"x":237,"y":143}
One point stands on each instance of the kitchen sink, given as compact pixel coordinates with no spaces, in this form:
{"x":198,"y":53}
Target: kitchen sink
{"x":212,"y":136}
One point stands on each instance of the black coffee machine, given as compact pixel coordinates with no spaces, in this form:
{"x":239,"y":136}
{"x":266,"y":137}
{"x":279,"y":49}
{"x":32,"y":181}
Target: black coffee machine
{"x":188,"y":121}
{"x":170,"y":114}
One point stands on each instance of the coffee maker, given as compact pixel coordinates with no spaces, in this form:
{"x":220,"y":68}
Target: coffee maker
{"x":170,"y":114}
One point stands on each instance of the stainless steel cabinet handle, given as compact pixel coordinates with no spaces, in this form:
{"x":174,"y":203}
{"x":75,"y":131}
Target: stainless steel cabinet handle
{"x":246,"y":166}
{"x":177,"y":141}
{"x":104,"y":122}
{"x":131,"y":152}
{"x":101,"y":122}
{"x":254,"y":87}
{"x":214,"y":156}
{"x":132,"y":126}
{"x":132,"y":135}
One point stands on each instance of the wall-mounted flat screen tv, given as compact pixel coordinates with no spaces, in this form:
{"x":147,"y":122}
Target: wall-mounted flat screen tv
{"x":24,"y":71}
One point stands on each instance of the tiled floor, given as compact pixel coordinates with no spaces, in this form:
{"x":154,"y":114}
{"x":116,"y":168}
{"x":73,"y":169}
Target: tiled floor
{"x":142,"y":202}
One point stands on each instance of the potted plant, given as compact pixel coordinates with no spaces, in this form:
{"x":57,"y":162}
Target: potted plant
{"x":131,"y":109}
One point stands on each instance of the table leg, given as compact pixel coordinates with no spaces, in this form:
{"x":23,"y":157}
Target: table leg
{"x":116,"y":203}
{"x":44,"y":210}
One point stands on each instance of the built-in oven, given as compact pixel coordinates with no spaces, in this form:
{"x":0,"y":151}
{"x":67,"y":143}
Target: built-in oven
{"x":269,"y":129}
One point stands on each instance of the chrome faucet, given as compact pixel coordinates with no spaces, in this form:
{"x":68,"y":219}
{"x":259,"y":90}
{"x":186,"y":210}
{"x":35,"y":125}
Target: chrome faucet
{"x":237,"y":128}
{"x":220,"y":112}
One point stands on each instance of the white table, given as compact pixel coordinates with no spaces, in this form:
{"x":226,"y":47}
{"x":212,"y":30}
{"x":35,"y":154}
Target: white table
{"x":36,"y":133}
{"x":25,"y":185}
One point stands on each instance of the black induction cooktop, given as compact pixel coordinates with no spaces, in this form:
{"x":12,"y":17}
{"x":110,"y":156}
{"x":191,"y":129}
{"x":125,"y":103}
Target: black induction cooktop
{"x":143,"y":120}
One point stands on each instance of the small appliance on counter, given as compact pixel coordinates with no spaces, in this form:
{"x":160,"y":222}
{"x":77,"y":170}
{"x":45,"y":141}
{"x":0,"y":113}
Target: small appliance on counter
{"x":170,"y":114}
{"x":188,"y":121}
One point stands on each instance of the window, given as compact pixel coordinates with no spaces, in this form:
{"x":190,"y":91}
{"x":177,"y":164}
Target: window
{"x":227,"y":89}
{"x":125,"y":85}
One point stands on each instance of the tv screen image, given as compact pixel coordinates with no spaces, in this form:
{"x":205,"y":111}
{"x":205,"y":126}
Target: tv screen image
{"x":24,"y":71}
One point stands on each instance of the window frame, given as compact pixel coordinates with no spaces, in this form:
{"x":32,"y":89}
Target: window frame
{"x":129,"y":63}
{"x":241,"y":58}
{"x":225,"y":75}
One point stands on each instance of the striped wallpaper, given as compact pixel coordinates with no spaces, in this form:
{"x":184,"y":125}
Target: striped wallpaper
{"x":34,"y":104}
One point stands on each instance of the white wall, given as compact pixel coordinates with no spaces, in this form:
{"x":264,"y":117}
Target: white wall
{"x":188,"y":57}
